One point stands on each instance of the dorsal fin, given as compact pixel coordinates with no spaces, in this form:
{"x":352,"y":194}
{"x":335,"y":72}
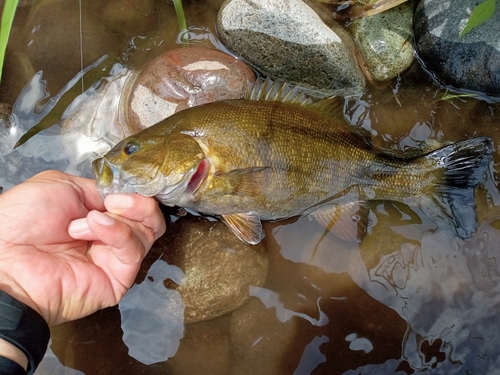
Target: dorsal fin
{"x":277,"y":91}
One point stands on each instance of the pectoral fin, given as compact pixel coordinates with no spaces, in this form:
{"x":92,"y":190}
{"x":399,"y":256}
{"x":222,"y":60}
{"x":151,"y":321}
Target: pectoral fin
{"x":348,"y":221}
{"x":245,"y":181}
{"x":247,"y":227}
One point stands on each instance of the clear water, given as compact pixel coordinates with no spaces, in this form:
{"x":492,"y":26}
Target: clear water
{"x":410,"y":297}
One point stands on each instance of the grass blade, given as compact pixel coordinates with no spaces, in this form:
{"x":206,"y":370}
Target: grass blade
{"x":9,"y":10}
{"x":179,"y":11}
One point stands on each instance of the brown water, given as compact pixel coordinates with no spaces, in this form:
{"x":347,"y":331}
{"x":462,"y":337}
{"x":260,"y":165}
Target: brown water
{"x":410,"y":297}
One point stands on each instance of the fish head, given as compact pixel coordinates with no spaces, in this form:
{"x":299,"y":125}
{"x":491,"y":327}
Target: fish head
{"x":158,"y":166}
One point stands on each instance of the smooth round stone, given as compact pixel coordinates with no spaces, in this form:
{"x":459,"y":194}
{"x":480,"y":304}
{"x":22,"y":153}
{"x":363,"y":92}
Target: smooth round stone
{"x":471,"y":62}
{"x":385,"y":41}
{"x":219,"y":268}
{"x":287,"y":40}
{"x":183,"y":78}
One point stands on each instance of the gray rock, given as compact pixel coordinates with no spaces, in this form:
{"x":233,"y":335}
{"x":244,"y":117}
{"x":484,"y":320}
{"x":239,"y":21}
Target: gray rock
{"x":385,"y":41}
{"x":287,"y":40}
{"x":471,"y":62}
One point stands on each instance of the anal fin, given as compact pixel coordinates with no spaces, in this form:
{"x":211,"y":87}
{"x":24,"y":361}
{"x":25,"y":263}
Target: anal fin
{"x":348,"y":221}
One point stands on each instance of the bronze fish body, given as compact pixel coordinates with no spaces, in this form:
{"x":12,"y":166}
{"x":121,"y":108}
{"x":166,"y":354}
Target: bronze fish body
{"x":248,"y":161}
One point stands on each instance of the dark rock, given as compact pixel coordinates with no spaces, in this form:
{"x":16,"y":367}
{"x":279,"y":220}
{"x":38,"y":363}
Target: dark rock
{"x":471,"y":62}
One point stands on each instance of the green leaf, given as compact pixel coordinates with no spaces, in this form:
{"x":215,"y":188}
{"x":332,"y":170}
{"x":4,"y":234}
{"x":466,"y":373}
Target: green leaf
{"x":479,"y":15}
{"x":9,"y":10}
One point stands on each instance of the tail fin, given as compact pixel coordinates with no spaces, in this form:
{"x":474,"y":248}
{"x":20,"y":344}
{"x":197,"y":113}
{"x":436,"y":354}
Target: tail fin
{"x":462,"y":166}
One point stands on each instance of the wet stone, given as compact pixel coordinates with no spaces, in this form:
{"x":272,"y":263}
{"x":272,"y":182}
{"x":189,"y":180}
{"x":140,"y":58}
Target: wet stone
{"x":218,"y":267}
{"x":183,"y":78}
{"x":385,"y":41}
{"x":471,"y":62}
{"x":287,"y":40}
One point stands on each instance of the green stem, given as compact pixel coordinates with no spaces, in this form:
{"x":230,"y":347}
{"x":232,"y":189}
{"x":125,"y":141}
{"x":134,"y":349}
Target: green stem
{"x":9,"y":10}
{"x":180,"y":17}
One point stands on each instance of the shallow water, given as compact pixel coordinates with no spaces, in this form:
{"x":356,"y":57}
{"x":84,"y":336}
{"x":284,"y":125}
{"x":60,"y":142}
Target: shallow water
{"x":412,"y":296}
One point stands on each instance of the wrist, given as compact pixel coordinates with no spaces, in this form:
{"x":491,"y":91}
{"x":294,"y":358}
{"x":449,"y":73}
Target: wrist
{"x":12,"y":352}
{"x":24,"y":328}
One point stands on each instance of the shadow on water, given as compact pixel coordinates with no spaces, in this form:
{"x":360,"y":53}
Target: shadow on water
{"x":411,"y":296}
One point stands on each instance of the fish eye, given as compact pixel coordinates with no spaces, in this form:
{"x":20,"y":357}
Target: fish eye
{"x":130,"y":148}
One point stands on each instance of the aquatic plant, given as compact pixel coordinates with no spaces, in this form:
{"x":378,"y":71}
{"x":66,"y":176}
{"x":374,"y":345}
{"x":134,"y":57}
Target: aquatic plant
{"x":9,"y":10}
{"x":179,"y":11}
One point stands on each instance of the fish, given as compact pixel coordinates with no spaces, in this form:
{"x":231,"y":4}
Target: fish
{"x":277,"y":155}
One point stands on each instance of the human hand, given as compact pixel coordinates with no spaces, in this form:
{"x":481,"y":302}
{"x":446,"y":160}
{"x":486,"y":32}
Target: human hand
{"x":67,"y":254}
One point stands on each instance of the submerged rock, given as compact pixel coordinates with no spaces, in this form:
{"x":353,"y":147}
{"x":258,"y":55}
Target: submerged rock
{"x":128,"y":101}
{"x":288,"y":40}
{"x":471,"y":62}
{"x":219,"y":268}
{"x":385,"y":41}
{"x":182,"y":78}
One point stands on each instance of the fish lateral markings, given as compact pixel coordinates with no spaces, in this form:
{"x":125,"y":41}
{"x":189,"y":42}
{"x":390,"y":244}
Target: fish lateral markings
{"x":251,"y":160}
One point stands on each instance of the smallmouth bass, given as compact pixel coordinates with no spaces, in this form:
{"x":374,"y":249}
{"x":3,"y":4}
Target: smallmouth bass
{"x":252,"y":160}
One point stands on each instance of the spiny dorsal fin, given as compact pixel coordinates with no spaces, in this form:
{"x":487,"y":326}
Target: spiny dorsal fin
{"x":247,"y":227}
{"x":277,"y":91}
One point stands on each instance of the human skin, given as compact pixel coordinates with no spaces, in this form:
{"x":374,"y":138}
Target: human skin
{"x":66,"y":253}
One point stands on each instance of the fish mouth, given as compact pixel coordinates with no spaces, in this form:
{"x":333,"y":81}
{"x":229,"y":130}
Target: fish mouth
{"x":110,"y":179}
{"x":106,"y":175}
{"x":166,"y":189}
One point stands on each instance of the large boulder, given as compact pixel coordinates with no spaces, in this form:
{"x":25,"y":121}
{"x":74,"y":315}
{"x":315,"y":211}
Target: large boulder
{"x":287,"y":40}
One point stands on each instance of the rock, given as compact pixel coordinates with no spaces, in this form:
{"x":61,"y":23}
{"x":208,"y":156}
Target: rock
{"x":259,"y":340}
{"x":287,"y":40}
{"x":385,"y":41}
{"x":182,"y":78}
{"x":471,"y":62}
{"x":128,"y":101}
{"x":206,"y":346}
{"x":219,"y":268}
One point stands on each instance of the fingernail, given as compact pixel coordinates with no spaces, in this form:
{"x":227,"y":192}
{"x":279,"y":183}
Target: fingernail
{"x":102,"y":219}
{"x":119,"y":201}
{"x":78,"y":226}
